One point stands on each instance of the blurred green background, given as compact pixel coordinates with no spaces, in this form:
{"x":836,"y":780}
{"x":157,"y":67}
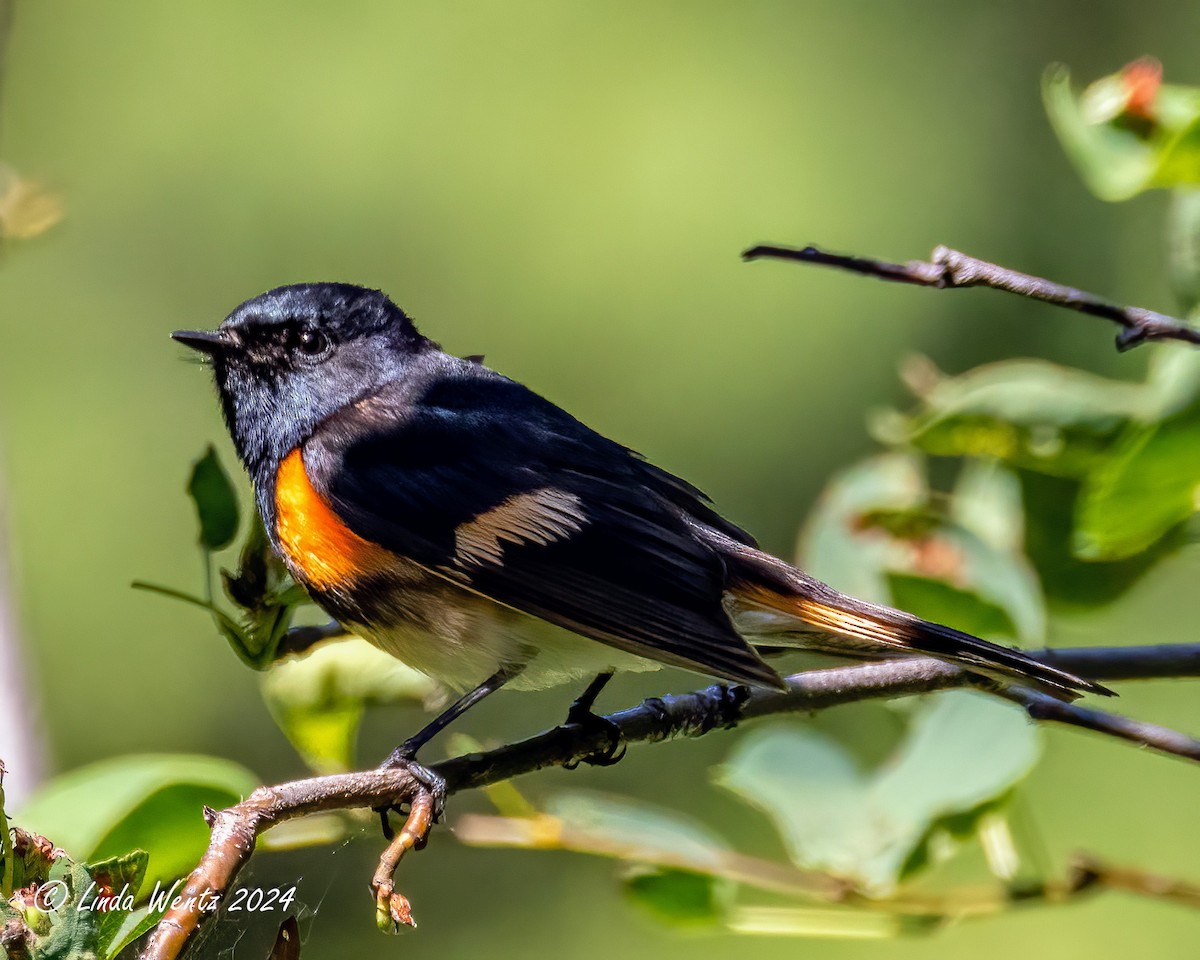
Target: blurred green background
{"x":565,"y":188}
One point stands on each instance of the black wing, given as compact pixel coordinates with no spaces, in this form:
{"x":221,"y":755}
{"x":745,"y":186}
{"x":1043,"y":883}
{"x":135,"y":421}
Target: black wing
{"x":480,"y":480}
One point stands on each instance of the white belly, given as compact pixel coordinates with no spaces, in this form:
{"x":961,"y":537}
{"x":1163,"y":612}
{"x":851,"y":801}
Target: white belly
{"x":472,"y":640}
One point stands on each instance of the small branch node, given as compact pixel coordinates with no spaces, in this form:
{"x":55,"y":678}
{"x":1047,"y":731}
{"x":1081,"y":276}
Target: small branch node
{"x":393,"y":910}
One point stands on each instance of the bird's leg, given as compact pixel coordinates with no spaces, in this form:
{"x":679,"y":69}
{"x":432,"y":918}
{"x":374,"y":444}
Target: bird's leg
{"x":408,"y":749}
{"x":405,"y":754}
{"x":581,"y":715}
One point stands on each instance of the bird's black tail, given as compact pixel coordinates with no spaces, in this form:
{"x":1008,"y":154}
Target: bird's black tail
{"x":855,"y":627}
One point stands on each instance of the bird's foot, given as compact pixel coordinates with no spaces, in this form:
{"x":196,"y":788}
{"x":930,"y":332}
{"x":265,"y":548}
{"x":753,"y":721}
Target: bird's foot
{"x":581,"y":715}
{"x":429,"y":783}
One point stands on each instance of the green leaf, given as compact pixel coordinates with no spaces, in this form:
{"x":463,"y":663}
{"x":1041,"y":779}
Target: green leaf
{"x":678,"y":897}
{"x":987,"y":501}
{"x":834,"y":545}
{"x":1051,"y":504}
{"x":90,"y":921}
{"x":679,"y":871}
{"x":134,"y":925}
{"x":148,"y":802}
{"x":119,"y":875}
{"x":963,"y":752}
{"x":8,"y":860}
{"x":942,"y":603}
{"x":663,"y":841}
{"x":1172,"y":384}
{"x":75,"y":934}
{"x":987,"y":524}
{"x":642,"y":831}
{"x":318,"y":699}
{"x":1148,"y":486}
{"x":874,"y":534}
{"x":1001,"y":579}
{"x":816,"y":795}
{"x":261,"y":581}
{"x":1119,"y":155}
{"x":215,"y":500}
{"x":1183,"y":248}
{"x":1029,"y":413}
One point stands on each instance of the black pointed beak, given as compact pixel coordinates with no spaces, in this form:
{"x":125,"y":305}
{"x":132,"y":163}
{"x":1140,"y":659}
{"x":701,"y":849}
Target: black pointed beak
{"x":205,"y":341}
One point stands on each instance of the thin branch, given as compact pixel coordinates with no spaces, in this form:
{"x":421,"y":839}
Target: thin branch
{"x":543,"y":831}
{"x":1154,"y":661}
{"x":657,"y":719}
{"x":948,"y":268}
{"x":392,"y":909}
{"x":1085,"y":875}
{"x":235,"y":830}
{"x":1089,"y":871}
{"x":1041,"y":706}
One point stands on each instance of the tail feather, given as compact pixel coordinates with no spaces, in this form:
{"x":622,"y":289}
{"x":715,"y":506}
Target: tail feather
{"x":759,"y":579}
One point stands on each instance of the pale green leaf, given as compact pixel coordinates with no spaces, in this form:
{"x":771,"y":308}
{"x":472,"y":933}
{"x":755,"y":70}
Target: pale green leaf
{"x":833,"y":545}
{"x":964,"y":753}
{"x":318,"y":699}
{"x":1149,"y":485}
{"x":814,"y":792}
{"x":643,"y":831}
{"x":1115,"y":157}
{"x":148,"y":802}
{"x":1029,"y":413}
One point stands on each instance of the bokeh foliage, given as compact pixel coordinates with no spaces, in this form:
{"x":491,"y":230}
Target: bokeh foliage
{"x":855,"y":837}
{"x":500,"y":250}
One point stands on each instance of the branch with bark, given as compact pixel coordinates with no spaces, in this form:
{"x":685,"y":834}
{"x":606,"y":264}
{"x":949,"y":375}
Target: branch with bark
{"x":948,"y":269}
{"x":658,"y":719}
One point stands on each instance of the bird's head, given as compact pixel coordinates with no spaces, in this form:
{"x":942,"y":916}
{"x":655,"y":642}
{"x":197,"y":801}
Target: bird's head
{"x":286,"y":360}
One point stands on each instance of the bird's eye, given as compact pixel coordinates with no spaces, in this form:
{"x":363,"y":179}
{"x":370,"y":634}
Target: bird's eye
{"x":311,"y":342}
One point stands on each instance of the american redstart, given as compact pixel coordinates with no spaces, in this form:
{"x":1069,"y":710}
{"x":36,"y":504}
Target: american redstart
{"x":484,"y":536}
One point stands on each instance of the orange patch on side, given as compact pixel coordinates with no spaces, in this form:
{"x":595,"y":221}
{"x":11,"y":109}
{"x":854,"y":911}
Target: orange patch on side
{"x":322,"y":550}
{"x":824,"y":617}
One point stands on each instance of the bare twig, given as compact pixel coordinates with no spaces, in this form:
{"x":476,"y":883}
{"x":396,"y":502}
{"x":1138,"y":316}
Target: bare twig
{"x":235,"y":830}
{"x":1041,"y":706}
{"x":948,"y":268}
{"x":542,"y":831}
{"x":1085,"y":875}
{"x":392,"y":909}
{"x":1088,"y":872}
{"x":1153,"y":661}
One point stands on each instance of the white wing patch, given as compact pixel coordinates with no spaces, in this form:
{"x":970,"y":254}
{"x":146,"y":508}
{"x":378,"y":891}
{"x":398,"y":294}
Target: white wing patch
{"x":540,"y":516}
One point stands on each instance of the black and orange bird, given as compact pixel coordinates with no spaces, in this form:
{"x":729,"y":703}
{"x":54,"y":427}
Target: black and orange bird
{"x":485,"y":537}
